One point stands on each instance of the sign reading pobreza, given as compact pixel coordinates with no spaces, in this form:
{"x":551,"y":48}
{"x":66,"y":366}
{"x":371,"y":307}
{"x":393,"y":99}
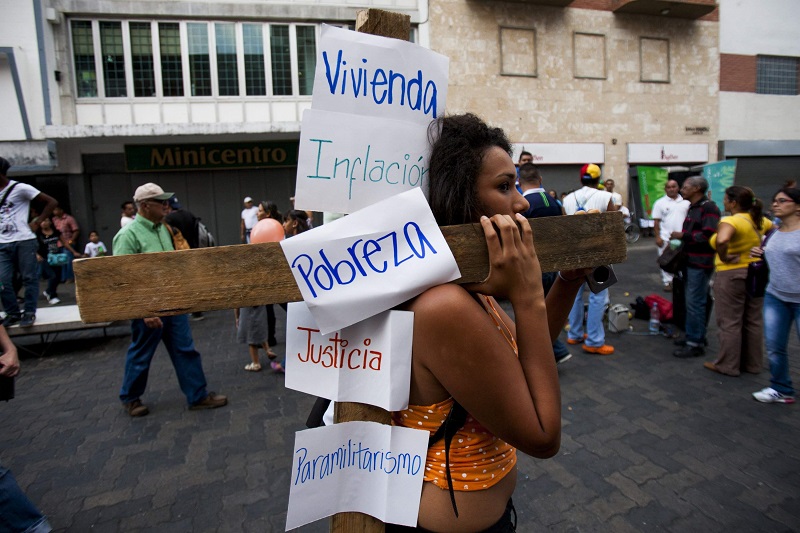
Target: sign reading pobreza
{"x":368,"y":362}
{"x":370,"y":261}
{"x":365,"y":136}
{"x":357,"y":467}
{"x":348,"y":162}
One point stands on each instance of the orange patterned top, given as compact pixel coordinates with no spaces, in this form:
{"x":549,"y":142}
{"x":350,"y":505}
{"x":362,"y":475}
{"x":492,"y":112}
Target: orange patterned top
{"x":478,"y":458}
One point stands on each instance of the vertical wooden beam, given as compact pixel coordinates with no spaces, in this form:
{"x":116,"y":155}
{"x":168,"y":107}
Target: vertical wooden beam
{"x":397,"y":26}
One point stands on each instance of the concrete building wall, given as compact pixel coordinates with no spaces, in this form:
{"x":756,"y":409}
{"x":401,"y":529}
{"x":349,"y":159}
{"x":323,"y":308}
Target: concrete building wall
{"x":763,"y":27}
{"x":587,"y":85}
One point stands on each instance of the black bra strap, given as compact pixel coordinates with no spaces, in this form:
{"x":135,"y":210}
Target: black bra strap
{"x":455,"y":420}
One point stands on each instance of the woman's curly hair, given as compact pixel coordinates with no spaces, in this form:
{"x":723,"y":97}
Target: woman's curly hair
{"x":458,"y":144}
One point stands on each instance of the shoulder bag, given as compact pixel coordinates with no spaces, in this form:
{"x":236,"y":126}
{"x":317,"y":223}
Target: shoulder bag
{"x":757,"y":273}
{"x":672,"y":260}
{"x":178,"y":241}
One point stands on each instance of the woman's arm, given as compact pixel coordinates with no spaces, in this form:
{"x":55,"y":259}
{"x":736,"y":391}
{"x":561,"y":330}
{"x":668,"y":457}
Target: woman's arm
{"x":725,"y":233}
{"x":68,"y":246}
{"x":460,"y":351}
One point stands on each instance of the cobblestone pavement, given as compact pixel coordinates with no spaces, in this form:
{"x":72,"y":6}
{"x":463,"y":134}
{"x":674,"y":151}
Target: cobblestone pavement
{"x":650,"y":442}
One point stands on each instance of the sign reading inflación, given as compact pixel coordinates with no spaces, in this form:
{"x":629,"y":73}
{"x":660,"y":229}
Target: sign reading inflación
{"x":357,"y":467}
{"x":365,"y":136}
{"x":368,"y":362}
{"x":368,"y":262}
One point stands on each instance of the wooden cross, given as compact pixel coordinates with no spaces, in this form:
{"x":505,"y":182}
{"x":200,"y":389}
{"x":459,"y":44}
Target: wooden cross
{"x":171,"y":283}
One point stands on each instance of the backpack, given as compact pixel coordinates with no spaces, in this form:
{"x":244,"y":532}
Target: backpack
{"x":204,"y":237}
{"x":618,"y":318}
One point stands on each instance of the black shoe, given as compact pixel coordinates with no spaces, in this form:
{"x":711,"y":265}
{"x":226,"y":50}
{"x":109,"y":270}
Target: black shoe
{"x":689,"y":351}
{"x":682,"y":342}
{"x":10,"y":320}
{"x":27,"y":320}
{"x":563,"y":357}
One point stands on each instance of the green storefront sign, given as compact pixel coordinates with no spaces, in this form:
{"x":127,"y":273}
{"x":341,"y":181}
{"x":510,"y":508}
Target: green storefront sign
{"x":158,"y":158}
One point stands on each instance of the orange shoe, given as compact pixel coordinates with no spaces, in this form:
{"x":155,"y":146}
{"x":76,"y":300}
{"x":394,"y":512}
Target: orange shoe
{"x":599,"y":350}
{"x":577,"y":341}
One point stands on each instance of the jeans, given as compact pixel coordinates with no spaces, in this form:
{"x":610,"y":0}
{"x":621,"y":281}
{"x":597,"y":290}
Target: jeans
{"x":66,"y":270}
{"x":559,"y":348}
{"x":19,"y":256}
{"x":594,"y":319}
{"x":697,"y":280}
{"x":778,"y":318}
{"x":177,"y":337}
{"x":53,"y":276}
{"x":17,"y":513}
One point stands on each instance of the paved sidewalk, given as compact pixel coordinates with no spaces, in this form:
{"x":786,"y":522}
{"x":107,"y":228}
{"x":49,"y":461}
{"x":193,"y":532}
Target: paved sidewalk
{"x":650,"y":442}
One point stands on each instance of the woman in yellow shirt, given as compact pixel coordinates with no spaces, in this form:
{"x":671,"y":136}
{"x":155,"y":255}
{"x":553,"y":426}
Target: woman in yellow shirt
{"x":739,"y":318}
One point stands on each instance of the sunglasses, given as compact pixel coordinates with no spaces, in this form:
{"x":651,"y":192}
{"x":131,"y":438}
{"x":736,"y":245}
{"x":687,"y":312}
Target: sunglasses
{"x":162,"y":202}
{"x":782,"y":201}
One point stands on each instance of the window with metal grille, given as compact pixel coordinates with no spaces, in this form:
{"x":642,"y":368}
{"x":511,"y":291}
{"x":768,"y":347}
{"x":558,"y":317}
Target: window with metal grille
{"x":227,"y":68}
{"x":199,"y":59}
{"x":83,"y":55}
{"x":169,"y":40}
{"x":776,"y":75}
{"x":144,"y":79}
{"x":254,"y":70}
{"x":281,"y":60}
{"x":306,"y":57}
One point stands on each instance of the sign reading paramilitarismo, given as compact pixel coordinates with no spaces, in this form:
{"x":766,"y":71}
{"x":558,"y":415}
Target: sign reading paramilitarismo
{"x":158,"y":158}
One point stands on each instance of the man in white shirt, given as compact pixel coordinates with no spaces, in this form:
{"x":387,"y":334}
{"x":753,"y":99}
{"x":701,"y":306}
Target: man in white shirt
{"x":128,"y":213}
{"x":18,"y":244}
{"x":617,"y":197}
{"x":249,"y":219}
{"x":669,"y":212}
{"x":589,"y":199}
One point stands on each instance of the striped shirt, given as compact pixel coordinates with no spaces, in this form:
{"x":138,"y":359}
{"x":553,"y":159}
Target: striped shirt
{"x":698,"y":227}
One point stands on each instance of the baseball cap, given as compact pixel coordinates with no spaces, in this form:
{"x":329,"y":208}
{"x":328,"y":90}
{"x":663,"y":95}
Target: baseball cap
{"x":174,"y":203}
{"x":590,"y":172}
{"x":151,"y":191}
{"x":247,"y":199}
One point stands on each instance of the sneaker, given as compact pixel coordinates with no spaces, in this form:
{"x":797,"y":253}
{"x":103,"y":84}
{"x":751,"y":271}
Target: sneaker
{"x":668,"y":287}
{"x":577,"y":341}
{"x":599,"y":350}
{"x":27,"y":320}
{"x":770,"y":395}
{"x":136,"y":408}
{"x":10,"y":320}
{"x":561,"y":358}
{"x":682,"y":342}
{"x":212,"y":401}
{"x":277,"y":367}
{"x":197,"y":316}
{"x":54,"y":300}
{"x":689,"y":351}
{"x":46,"y":295}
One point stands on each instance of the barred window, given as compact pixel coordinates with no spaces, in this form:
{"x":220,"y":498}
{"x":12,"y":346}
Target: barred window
{"x":227,"y":69}
{"x":199,"y":59}
{"x":144,"y":79}
{"x":776,"y":75}
{"x":83,"y":55}
{"x":169,"y":40}
{"x":157,"y":59}
{"x":254,"y":70}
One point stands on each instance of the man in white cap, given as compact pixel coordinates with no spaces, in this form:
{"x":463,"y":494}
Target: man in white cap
{"x":249,"y":219}
{"x":147,"y":233}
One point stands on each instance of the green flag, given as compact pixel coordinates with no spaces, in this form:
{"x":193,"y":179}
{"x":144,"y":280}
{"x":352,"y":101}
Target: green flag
{"x":651,"y":186}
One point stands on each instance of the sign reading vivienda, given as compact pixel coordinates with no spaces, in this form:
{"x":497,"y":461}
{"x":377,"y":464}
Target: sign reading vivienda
{"x":357,"y":467}
{"x":158,"y":158}
{"x":364,"y":74}
{"x":343,"y":169}
{"x":368,"y":262}
{"x":368,"y":362}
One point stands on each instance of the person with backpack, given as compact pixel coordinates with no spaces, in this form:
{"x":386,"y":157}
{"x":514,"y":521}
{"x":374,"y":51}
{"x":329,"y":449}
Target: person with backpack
{"x":589,"y":199}
{"x":18,"y":244}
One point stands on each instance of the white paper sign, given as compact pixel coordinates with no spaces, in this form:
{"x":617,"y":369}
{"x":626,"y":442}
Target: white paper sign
{"x":348,"y":162}
{"x":357,"y":467}
{"x":368,"y":362}
{"x":370,"y":261}
{"x":386,"y":78}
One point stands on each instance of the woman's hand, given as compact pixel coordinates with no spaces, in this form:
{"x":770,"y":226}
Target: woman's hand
{"x":731,"y":258}
{"x":756,"y":251}
{"x":514,"y":269}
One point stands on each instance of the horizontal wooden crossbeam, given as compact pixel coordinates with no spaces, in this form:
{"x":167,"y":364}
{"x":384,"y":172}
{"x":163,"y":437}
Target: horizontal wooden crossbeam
{"x":225,"y":277}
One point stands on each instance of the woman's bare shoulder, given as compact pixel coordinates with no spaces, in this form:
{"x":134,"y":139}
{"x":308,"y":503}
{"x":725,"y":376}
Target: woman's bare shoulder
{"x":441,"y":300}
